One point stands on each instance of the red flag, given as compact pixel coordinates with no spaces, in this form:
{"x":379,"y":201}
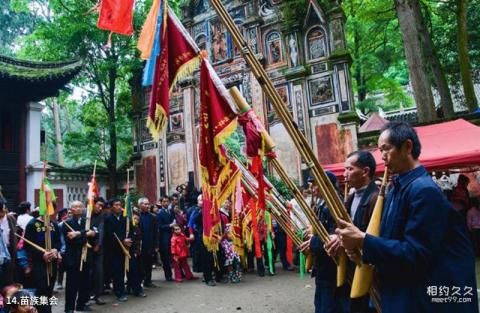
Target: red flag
{"x":257,"y":171}
{"x":92,"y":191}
{"x":217,"y":122}
{"x":116,"y":16}
{"x":252,"y":128}
{"x":289,"y":252}
{"x":179,"y":57}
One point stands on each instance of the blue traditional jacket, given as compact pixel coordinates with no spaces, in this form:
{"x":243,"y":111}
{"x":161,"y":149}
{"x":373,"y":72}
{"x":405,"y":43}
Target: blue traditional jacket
{"x":423,"y":255}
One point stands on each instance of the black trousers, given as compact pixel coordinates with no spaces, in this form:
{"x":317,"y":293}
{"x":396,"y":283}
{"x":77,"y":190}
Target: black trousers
{"x":166,"y":256}
{"x":260,"y":260}
{"x":207,"y":262}
{"x":133,"y":275}
{"x":118,"y":274}
{"x":281,"y":248}
{"x":76,"y":288}
{"x":107,"y":267}
{"x":146,"y":266}
{"x":96,"y":276}
{"x":42,"y":286}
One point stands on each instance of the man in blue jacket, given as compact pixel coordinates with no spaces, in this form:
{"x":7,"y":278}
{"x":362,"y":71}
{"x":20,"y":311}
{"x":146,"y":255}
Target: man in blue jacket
{"x":423,"y":257}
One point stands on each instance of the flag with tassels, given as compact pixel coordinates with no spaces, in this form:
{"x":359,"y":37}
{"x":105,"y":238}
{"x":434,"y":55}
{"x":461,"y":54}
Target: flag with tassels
{"x":217,"y":122}
{"x":47,"y":198}
{"x":253,"y":130}
{"x":179,"y":57}
{"x":116,"y":16}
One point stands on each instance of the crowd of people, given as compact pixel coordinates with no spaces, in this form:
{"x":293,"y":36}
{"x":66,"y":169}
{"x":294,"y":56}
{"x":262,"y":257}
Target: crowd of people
{"x":423,"y":244}
{"x":164,"y":234}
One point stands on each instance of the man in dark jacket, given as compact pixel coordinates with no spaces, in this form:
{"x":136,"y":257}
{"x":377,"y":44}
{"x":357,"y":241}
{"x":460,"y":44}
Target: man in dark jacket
{"x":165,"y":221}
{"x":149,"y":229}
{"x":77,"y":289}
{"x":359,"y":173}
{"x":115,"y":231}
{"x":328,"y":298}
{"x":35,"y":232}
{"x":423,"y":245}
{"x":98,"y":224}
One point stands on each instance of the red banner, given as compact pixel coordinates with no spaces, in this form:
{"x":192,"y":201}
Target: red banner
{"x":116,"y":16}
{"x":178,"y":58}
{"x":252,"y":128}
{"x":219,"y":174}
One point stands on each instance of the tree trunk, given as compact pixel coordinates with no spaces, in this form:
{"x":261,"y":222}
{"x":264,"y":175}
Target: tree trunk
{"x":358,"y":74}
{"x":417,"y":65}
{"x":361,"y":88}
{"x":437,"y":70}
{"x":58,"y":132}
{"x":463,"y":58}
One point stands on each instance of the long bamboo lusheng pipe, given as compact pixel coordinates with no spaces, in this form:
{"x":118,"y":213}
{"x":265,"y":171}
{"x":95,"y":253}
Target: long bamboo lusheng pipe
{"x":362,"y":280}
{"x":41,"y":249}
{"x":250,"y":183}
{"x":120,"y":243}
{"x":88,"y":220}
{"x":277,"y":210}
{"x":269,"y":144}
{"x":317,"y":226}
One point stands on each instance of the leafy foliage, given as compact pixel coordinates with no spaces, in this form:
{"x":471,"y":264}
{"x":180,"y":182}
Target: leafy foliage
{"x":379,"y":68}
{"x":442,"y":25}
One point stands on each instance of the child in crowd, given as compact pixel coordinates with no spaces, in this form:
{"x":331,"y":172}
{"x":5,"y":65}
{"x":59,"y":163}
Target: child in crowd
{"x":232,"y":260}
{"x":180,"y":217}
{"x":179,"y":249}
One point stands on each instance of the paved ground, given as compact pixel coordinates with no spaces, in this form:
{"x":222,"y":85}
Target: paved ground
{"x":283,"y":293}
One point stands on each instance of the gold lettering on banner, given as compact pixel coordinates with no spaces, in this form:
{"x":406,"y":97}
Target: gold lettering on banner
{"x":182,"y":58}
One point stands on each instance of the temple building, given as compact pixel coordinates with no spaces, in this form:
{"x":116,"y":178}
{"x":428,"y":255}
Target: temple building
{"x":23,"y":84}
{"x":308,"y":64}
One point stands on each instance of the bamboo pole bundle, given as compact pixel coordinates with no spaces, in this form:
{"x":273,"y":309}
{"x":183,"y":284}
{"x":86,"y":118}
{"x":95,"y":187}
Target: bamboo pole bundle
{"x":284,"y":221}
{"x":88,"y":221}
{"x":269,"y":144}
{"x":326,"y":188}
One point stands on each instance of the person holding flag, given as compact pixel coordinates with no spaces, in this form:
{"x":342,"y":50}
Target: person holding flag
{"x":43,"y":231}
{"x":77,"y":237}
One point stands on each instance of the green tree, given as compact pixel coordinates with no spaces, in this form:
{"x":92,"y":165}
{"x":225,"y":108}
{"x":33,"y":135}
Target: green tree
{"x":16,"y":19}
{"x":71,"y":32}
{"x":463,"y":57}
{"x":379,"y":65}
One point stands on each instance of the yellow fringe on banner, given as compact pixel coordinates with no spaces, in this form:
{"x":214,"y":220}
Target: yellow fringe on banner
{"x":186,"y":70}
{"x":156,"y":130}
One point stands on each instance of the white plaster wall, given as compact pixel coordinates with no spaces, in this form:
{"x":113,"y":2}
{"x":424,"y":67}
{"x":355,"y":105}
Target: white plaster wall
{"x":177,"y":166}
{"x":286,"y":150}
